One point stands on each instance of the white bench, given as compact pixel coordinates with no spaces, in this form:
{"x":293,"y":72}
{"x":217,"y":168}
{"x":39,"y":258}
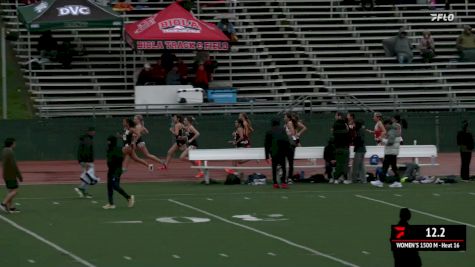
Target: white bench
{"x":311,"y":153}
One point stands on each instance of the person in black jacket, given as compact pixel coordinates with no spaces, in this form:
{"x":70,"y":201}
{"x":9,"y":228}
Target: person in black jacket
{"x":329,"y":157}
{"x":465,"y":143}
{"x":114,"y":165}
{"x":342,"y":149}
{"x":86,"y":160}
{"x":278,"y":147}
{"x":406,"y":258}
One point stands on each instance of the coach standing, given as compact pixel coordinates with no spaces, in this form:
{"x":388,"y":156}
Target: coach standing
{"x":465,"y":143}
{"x":341,"y":138}
{"x":11,"y":175}
{"x":278,"y":147}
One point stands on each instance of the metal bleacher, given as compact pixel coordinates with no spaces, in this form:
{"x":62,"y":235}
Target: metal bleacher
{"x":299,"y":54}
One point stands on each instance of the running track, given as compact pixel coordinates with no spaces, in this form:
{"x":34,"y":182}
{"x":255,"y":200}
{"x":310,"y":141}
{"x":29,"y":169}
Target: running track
{"x":67,"y":172}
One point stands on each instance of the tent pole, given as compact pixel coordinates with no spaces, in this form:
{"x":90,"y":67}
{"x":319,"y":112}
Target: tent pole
{"x":4,"y":75}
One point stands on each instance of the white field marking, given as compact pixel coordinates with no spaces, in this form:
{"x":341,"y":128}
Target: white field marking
{"x":288,"y":242}
{"x":126,"y":222}
{"x":224,"y":255}
{"x":322,"y":196}
{"x":17,"y":204}
{"x":94,"y":202}
{"x":365,"y":252}
{"x":436,"y":195}
{"x":31,"y":261}
{"x":247,"y":198}
{"x":128,"y":258}
{"x":271,"y":254}
{"x":176,"y":256}
{"x":397,"y":195}
{"x":285,"y":197}
{"x":275,"y":215}
{"x":417,"y":211}
{"x":473,"y":194}
{"x":209,"y":199}
{"x":47,"y":242}
{"x":55,"y":203}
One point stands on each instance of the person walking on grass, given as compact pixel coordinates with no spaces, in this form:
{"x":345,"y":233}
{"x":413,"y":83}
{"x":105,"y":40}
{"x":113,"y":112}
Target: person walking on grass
{"x":11,"y":175}
{"x":86,"y":160}
{"x":391,"y":143}
{"x":358,"y":172}
{"x":465,"y":143}
{"x":406,"y":257}
{"x":114,"y":165}
{"x":278,"y":149}
{"x":341,"y":139}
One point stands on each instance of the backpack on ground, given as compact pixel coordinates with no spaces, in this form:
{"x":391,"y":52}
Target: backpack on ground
{"x":256,"y":179}
{"x":232,"y":179}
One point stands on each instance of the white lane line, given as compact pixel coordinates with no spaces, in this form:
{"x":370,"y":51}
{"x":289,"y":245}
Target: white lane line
{"x":176,"y":256}
{"x":247,"y":198}
{"x":417,"y":211}
{"x":397,"y":195}
{"x":471,"y":193}
{"x":288,"y":242}
{"x":126,"y":222}
{"x":224,"y":255}
{"x":365,"y":252}
{"x":209,"y":199}
{"x":271,"y":254}
{"x":55,"y":203}
{"x":31,"y":261}
{"x":285,"y":197}
{"x":47,"y":242}
{"x":322,"y":196}
{"x":17,"y":204}
{"x":128,"y":258}
{"x":436,"y":195}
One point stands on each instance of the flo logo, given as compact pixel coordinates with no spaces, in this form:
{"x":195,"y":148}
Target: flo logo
{"x":74,"y":10}
{"x":179,"y":25}
{"x":41,"y":7}
{"x":442,"y":17}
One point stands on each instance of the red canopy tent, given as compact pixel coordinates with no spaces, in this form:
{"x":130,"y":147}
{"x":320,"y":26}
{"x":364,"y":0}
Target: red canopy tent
{"x":174,"y":28}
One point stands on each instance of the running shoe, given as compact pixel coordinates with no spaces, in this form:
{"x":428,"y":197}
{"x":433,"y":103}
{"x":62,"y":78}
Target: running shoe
{"x":80,"y":192}
{"x":331,"y":181}
{"x":377,"y":183}
{"x":276,"y":186}
{"x":3,"y":207}
{"x":108,"y":207}
{"x":395,"y":185}
{"x":284,"y":186}
{"x":347,"y":182}
{"x":200,"y":175}
{"x":131,"y":201}
{"x":14,"y":210}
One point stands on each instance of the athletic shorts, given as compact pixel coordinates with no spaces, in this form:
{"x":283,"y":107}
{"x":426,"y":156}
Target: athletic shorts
{"x":11,"y":184}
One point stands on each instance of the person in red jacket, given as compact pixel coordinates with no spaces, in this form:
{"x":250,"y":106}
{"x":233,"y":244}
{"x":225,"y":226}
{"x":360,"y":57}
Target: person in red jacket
{"x":182,"y":71}
{"x":201,"y":77}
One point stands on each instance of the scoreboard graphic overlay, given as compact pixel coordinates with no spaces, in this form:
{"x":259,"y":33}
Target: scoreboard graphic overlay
{"x":429,"y":237}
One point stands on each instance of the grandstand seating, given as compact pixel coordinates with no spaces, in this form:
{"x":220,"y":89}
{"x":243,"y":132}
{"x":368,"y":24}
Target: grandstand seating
{"x":330,"y":53}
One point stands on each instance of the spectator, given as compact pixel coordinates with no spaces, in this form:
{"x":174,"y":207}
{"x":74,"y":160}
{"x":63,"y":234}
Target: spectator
{"x":66,"y":53}
{"x":391,"y":150}
{"x":228,"y":29}
{"x":122,"y":6}
{"x":145,"y":75}
{"x":358,"y":172}
{"x":427,"y":47}
{"x":173,"y":78}
{"x":159,"y":74}
{"x":278,"y":148}
{"x":47,"y":46}
{"x":350,"y":121}
{"x":187,"y":4}
{"x":342,"y":149}
{"x":329,"y":157}
{"x":210,"y":66}
{"x":168,"y":60}
{"x":201,"y":78}
{"x":364,"y":4}
{"x":399,"y":46}
{"x":465,"y":143}
{"x":182,"y":71}
{"x":466,"y":44}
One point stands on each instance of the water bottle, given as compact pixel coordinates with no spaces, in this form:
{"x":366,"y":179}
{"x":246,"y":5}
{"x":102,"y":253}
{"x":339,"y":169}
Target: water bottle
{"x":302,"y":175}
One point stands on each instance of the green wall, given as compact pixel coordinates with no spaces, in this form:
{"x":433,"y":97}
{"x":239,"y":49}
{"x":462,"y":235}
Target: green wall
{"x":56,"y":139}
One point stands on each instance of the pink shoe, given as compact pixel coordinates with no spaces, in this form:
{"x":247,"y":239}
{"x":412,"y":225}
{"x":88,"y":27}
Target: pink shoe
{"x":276,"y":186}
{"x":284,"y":186}
{"x":200,"y":175}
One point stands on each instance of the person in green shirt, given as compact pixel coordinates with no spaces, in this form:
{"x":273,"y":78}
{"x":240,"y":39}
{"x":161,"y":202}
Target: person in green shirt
{"x":11,"y":175}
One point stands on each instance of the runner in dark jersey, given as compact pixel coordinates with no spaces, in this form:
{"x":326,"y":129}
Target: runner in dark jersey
{"x":141,"y":146}
{"x":241,"y":140}
{"x":130,"y":139}
{"x":191,"y":134}
{"x":178,"y":130}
